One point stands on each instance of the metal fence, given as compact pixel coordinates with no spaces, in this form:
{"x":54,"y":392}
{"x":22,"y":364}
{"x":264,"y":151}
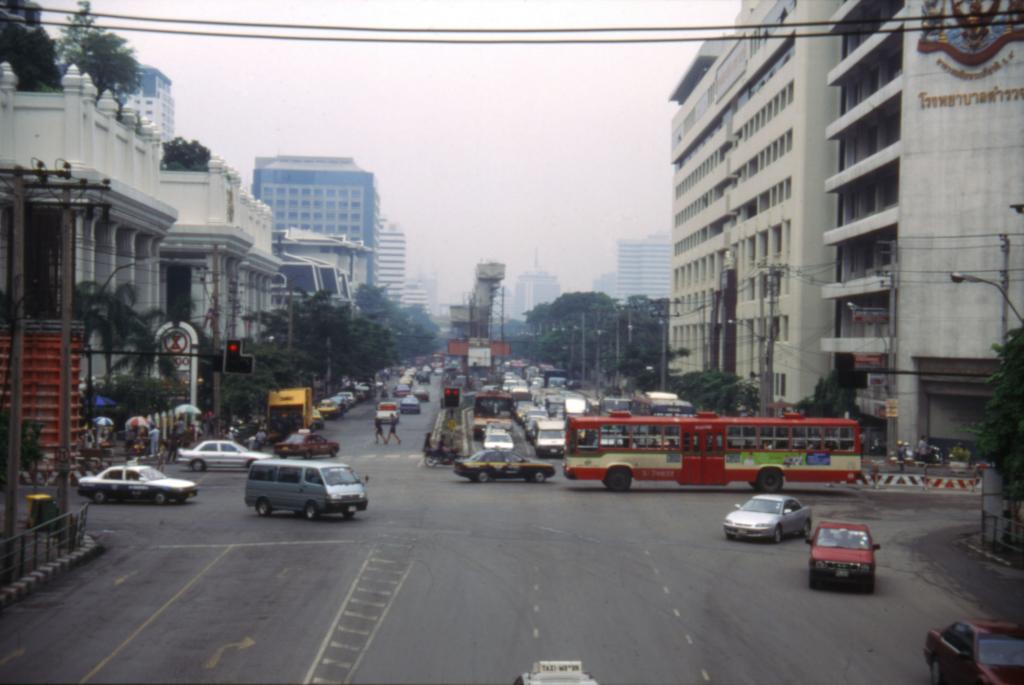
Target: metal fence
{"x":27,"y":551}
{"x":1004,"y":537}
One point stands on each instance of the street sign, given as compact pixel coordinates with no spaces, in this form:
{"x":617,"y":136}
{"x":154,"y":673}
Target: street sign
{"x":892,"y":408}
{"x":451,"y":424}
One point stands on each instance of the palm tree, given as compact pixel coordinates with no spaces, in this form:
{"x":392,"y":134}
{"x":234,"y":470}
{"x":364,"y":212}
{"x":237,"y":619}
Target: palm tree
{"x":142,"y":338}
{"x":108,"y":315}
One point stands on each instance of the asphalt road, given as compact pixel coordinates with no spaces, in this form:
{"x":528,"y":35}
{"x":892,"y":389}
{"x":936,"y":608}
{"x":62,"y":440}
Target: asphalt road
{"x":446,"y":581}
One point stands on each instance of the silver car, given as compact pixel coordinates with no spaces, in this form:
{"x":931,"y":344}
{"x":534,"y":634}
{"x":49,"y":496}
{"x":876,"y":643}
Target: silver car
{"x":769,"y":516}
{"x":213,"y":453}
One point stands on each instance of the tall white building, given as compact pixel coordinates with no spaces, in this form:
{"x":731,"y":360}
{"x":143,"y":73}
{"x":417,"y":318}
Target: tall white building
{"x":154,"y":101}
{"x":749,"y":154}
{"x":391,"y":260}
{"x":606,"y":283}
{"x":415,"y":295}
{"x":931,"y":143}
{"x":644,"y":267}
{"x":534,"y":287}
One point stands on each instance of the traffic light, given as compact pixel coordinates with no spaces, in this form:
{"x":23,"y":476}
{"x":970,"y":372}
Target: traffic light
{"x":452,"y":398}
{"x":234,"y":360}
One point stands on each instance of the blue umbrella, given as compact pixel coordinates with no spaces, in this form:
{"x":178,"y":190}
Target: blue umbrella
{"x":101,"y":401}
{"x":102,"y":421}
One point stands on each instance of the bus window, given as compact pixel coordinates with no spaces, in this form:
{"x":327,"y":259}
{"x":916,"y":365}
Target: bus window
{"x":734,"y":437}
{"x":779,"y":439}
{"x":672,"y":437}
{"x":846,"y":439}
{"x":614,"y":435}
{"x":713,"y":443}
{"x":586,"y":439}
{"x":646,"y":437}
{"x":806,"y":438}
{"x":831,"y":438}
{"x":749,"y":437}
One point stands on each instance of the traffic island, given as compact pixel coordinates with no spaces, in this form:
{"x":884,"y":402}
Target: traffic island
{"x":45,"y":574}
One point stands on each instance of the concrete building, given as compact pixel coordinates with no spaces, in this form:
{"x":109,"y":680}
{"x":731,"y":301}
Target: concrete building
{"x":533,"y":287}
{"x":415,"y":295}
{"x":154,"y":101}
{"x":328,"y":195}
{"x":313,"y":262}
{"x":749,"y":155}
{"x":644,"y":267}
{"x":390,"y":255}
{"x":931,"y":143}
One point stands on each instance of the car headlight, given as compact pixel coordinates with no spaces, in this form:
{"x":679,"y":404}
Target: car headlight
{"x":820,"y":564}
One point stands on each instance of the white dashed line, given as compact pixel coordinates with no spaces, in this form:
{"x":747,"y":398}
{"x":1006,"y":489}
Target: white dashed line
{"x":704,"y":673}
{"x":356,"y":615}
{"x":676,"y":612}
{"x":665,"y":588}
{"x":353,"y":630}
{"x":379,"y":605}
{"x":689,"y":640}
{"x":536,"y":633}
{"x":656,"y":571}
{"x":536,"y":588}
{"x":536,"y":608}
{"x":374,"y":592}
{"x":342,"y":645}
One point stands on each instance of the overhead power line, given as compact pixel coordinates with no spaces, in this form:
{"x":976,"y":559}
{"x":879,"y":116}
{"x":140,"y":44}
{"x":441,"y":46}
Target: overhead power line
{"x":760,"y":33}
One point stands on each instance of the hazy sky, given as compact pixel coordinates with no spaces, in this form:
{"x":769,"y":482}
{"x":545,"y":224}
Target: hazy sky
{"x":480,"y":152}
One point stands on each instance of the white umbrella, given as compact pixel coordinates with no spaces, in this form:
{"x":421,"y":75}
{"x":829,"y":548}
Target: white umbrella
{"x":103,"y":421}
{"x":190,"y":409}
{"x":137,"y":422}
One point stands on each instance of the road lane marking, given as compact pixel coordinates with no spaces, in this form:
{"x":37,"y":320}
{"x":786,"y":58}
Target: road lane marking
{"x":536,"y":633}
{"x":378,"y":560}
{"x":676,"y":612}
{"x":332,"y":662}
{"x":656,"y":571}
{"x":536,"y":608}
{"x":689,"y":640}
{"x":369,"y":604}
{"x":283,"y":573}
{"x":358,"y":615}
{"x":704,"y":673}
{"x":536,"y":587}
{"x":376,"y":627}
{"x":12,"y":656}
{"x":665,"y":588}
{"x":647,"y":552}
{"x":374,"y":592}
{"x":283,"y":543}
{"x":353,"y":630}
{"x":98,"y":667}
{"x":342,"y":645}
{"x":214,"y":659}
{"x":121,"y":579}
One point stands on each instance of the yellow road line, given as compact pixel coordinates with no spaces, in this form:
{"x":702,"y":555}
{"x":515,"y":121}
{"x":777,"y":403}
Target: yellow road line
{"x":98,"y":667}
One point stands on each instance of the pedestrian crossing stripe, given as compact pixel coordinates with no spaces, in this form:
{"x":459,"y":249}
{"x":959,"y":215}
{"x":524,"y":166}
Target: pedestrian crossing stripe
{"x":380,"y":456}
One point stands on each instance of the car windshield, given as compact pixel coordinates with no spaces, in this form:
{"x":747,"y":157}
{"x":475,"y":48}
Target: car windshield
{"x":1001,"y":650}
{"x":844,"y":538}
{"x":551,"y":435}
{"x":295,"y":439}
{"x":763,"y":506}
{"x":336,"y":475}
{"x":151,"y":474}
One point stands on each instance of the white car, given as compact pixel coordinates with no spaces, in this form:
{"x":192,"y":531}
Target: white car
{"x":219,"y":453}
{"x":135,"y":483}
{"x":769,"y":516}
{"x":498,"y":440}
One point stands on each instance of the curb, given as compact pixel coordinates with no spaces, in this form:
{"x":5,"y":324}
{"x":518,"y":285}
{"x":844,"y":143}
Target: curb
{"x":25,"y":586}
{"x":921,"y":482}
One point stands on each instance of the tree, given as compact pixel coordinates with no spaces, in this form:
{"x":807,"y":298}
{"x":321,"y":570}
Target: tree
{"x":32,"y":55}
{"x":1001,"y":434}
{"x":830,"y":399}
{"x":183,"y":155}
{"x":717,"y":391}
{"x":31,"y":450}
{"x":106,"y":57}
{"x":107,"y":314}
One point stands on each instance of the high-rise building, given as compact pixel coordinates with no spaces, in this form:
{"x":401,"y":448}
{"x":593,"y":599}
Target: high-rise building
{"x":154,"y":101}
{"x":607,"y":284}
{"x":415,"y":295}
{"x":329,"y":195}
{"x":644,"y":267}
{"x":749,"y":153}
{"x":534,"y":287}
{"x":391,"y":260}
{"x":926,"y":183}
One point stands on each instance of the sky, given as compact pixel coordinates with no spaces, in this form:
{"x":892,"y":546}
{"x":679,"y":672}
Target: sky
{"x":504,"y":153}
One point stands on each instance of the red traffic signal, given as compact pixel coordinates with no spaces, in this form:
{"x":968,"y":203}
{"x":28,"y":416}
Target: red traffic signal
{"x":235,"y":361}
{"x":452,"y":398}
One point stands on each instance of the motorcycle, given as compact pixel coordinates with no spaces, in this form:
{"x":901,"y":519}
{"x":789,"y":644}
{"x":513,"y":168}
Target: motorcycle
{"x":442,"y":456}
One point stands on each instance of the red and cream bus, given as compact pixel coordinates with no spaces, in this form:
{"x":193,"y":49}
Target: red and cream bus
{"x":708,"y":449}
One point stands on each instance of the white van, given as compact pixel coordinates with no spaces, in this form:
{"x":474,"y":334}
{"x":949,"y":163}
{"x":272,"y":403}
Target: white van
{"x":311,"y":488}
{"x":550,"y":440}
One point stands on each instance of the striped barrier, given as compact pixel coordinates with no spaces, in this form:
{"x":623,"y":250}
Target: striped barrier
{"x":924,"y":482}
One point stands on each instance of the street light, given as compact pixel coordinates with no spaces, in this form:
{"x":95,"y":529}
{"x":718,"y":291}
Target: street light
{"x":960,"y":277}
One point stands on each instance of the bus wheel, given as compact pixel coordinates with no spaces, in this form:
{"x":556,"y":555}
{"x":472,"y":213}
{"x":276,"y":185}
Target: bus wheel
{"x":769,"y":480}
{"x":618,"y":480}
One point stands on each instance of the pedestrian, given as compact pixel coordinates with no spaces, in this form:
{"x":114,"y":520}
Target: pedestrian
{"x":391,"y":430}
{"x":901,"y":454}
{"x":922,"y":449}
{"x":154,"y":442}
{"x":378,"y":426}
{"x":875,"y":477}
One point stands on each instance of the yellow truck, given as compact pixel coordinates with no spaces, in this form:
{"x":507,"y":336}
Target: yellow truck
{"x":288,"y":410}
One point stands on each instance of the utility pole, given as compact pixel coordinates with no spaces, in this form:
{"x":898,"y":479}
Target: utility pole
{"x":291,"y":314}
{"x":769,"y":362}
{"x":216,"y":340}
{"x":1004,"y":278}
{"x":891,"y":416}
{"x":618,"y":354}
{"x":583,"y":348}
{"x":14,"y":371}
{"x":761,"y":353}
{"x":67,"y":287}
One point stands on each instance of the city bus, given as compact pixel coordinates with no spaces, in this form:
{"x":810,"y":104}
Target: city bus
{"x":660,"y":404}
{"x":492,"y":407}
{"x":708,"y":449}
